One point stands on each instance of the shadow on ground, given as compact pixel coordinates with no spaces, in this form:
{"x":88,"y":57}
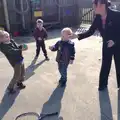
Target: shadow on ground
{"x":6,"y":103}
{"x":105,"y":106}
{"x":54,"y":104}
{"x":32,"y":67}
{"x":118,"y":105}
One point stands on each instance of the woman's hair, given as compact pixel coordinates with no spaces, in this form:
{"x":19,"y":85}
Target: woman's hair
{"x":106,"y":2}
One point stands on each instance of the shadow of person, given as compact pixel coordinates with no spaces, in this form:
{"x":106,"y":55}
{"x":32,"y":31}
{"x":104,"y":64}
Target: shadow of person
{"x":118,"y":105}
{"x":105,"y":105}
{"x":33,"y":62}
{"x":6,"y":103}
{"x":30,"y":69}
{"x":54,"y":104}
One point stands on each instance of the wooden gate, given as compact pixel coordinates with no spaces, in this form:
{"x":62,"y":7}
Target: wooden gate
{"x":50,"y":11}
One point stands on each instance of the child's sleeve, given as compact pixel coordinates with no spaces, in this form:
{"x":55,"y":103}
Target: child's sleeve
{"x":55,"y":47}
{"x":45,"y":33}
{"x":15,"y":51}
{"x":35,"y":34}
{"x":11,"y":51}
{"x":16,"y":45}
{"x":72,"y":57}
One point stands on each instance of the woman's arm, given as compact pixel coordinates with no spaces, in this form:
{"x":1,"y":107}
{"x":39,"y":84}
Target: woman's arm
{"x":91,"y":30}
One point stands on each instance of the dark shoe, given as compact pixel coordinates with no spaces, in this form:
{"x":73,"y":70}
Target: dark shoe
{"x":11,"y":91}
{"x":102,"y":88}
{"x":36,"y":57}
{"x":21,"y":86}
{"x":46,"y":58}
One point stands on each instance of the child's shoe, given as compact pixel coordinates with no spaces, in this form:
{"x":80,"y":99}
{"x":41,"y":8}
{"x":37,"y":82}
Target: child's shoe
{"x":46,"y":58}
{"x":11,"y":90}
{"x":21,"y":86}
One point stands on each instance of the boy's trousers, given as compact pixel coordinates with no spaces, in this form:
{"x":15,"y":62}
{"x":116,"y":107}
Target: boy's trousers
{"x":19,"y":75}
{"x":62,"y":67}
{"x":40,"y":44}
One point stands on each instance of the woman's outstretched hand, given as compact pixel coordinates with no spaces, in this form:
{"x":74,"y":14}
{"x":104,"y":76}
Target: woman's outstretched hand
{"x":73,"y":36}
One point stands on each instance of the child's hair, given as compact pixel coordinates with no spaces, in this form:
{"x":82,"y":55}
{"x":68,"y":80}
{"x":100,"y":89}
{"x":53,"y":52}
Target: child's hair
{"x":67,"y":30}
{"x":6,"y":33}
{"x":1,"y":33}
{"x":39,"y":21}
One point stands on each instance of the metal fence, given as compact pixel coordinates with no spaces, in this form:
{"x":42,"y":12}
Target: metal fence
{"x":87,"y":15}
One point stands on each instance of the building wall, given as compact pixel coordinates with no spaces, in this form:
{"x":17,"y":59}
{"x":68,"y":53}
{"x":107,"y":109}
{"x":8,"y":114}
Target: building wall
{"x":84,"y":3}
{"x":2,"y":17}
{"x":15,"y":18}
{"x":67,"y":12}
{"x":64,"y":11}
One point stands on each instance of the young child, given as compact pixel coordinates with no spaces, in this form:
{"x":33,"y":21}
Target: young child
{"x":40,"y":34}
{"x":65,"y":54}
{"x":13,"y":53}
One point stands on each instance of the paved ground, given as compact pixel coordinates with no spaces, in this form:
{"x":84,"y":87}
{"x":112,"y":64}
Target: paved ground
{"x":80,"y":100}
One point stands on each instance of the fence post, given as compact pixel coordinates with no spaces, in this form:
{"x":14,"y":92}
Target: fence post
{"x":6,"y":14}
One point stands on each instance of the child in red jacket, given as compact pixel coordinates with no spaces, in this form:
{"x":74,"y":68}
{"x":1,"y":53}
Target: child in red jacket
{"x":40,"y":34}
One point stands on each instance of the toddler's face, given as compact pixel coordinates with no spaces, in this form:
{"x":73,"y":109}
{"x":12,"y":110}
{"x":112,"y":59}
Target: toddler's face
{"x":66,"y":35}
{"x":6,"y":38}
{"x":39,"y":25}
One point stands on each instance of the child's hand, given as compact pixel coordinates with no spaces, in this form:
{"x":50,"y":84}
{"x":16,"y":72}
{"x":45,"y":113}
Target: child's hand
{"x":50,"y":47}
{"x":24,"y":47}
{"x":39,"y":38}
{"x":71,"y":62}
{"x":73,"y":36}
{"x":20,"y":47}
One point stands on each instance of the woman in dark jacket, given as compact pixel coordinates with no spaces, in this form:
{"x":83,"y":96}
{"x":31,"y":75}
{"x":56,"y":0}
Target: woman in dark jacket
{"x":107,"y":21}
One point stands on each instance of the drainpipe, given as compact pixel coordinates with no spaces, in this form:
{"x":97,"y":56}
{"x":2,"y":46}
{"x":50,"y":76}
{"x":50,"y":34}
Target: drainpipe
{"x":23,"y":17}
{"x":6,"y":15}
